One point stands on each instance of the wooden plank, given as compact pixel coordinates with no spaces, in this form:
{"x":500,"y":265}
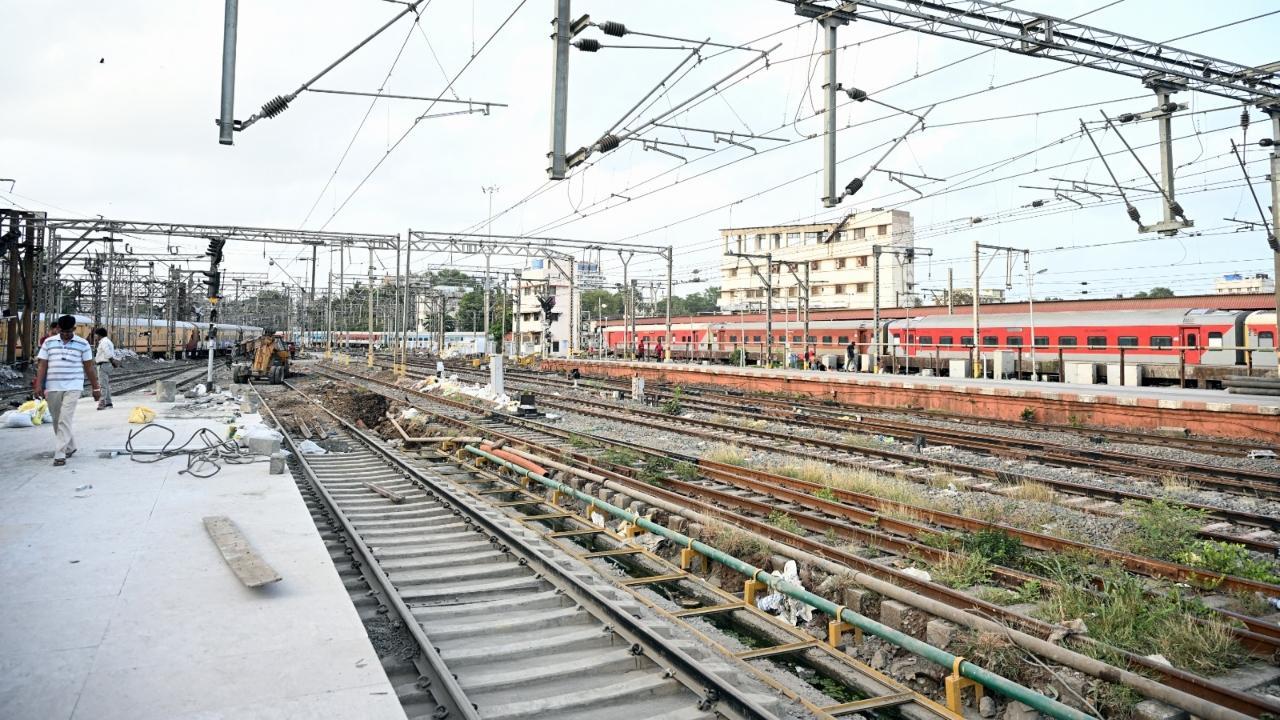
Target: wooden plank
{"x":391,"y":495}
{"x":252,"y":570}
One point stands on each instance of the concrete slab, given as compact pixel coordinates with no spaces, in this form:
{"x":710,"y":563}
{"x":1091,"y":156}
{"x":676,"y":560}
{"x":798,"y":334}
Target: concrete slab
{"x":118,"y":605}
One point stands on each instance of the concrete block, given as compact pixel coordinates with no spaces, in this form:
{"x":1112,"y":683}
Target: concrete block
{"x":277,"y":463}
{"x":863,"y":602}
{"x":262,"y":445}
{"x":1018,"y":711}
{"x":940,"y":633}
{"x":959,"y":368}
{"x":677,"y":523}
{"x":166,"y":390}
{"x":1156,"y":710}
{"x":903,"y":617}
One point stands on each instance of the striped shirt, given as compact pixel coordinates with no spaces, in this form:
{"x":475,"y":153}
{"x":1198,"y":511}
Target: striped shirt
{"x":66,"y":362}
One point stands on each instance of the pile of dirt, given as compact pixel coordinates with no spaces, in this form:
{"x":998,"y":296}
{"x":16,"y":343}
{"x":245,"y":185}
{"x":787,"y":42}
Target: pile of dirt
{"x":352,"y":405}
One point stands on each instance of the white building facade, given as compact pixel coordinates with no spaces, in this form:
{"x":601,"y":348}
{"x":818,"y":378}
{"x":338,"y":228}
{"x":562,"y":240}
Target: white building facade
{"x":841,"y":271}
{"x":1237,"y":283}
{"x":545,"y":278}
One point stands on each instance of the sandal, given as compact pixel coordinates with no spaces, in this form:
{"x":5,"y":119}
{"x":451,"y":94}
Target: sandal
{"x":59,"y":462}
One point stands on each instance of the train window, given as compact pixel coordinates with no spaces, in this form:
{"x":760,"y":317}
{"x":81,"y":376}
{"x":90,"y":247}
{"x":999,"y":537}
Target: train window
{"x":1067,"y":340}
{"x":990,"y":340}
{"x":1096,"y":341}
{"x":826,"y":339}
{"x":1042,"y":341}
{"x":1193,"y":340}
{"x":733,"y":338}
{"x":1215,"y":339}
{"x":757,"y":339}
{"x":966,"y":340}
{"x":1014,"y":340}
{"x":844,"y":340}
{"x":946,"y":340}
{"x":814,"y":339}
{"x":1266,"y":339}
{"x":1161,"y":341}
{"x":1127,"y":341}
{"x":796,"y":339}
{"x":925,"y":339}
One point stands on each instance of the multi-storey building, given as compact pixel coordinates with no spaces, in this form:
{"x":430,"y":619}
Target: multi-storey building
{"x":840,"y":267}
{"x":544,"y":278}
{"x":1238,"y":284}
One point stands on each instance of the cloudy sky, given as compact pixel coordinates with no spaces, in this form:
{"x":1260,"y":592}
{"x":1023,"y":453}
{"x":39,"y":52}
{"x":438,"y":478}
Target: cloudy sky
{"x":110,"y":111}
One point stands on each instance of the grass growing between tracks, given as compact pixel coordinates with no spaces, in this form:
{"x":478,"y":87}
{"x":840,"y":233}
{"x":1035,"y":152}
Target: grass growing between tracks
{"x":1169,"y":531}
{"x":1123,"y":614}
{"x":858,"y":481}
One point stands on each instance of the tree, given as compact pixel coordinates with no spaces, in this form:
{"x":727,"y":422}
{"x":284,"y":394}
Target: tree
{"x":597,"y":301}
{"x":1155,"y":292}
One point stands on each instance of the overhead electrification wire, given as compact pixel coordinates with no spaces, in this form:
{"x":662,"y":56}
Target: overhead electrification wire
{"x":360,"y":127}
{"x":424,"y":114}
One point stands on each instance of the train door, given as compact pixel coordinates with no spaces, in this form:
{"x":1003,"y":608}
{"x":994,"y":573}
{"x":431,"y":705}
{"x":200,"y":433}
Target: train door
{"x":1190,"y":339}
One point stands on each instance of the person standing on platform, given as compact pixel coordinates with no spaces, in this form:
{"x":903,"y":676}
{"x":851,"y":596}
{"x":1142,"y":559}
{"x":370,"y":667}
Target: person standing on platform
{"x":65,"y":360}
{"x":850,"y":356}
{"x":660,"y":356}
{"x":105,"y":359}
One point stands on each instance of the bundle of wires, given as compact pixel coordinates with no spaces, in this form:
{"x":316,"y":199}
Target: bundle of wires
{"x":204,"y":460}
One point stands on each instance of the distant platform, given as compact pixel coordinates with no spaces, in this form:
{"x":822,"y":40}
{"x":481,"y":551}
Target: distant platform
{"x":117,"y":604}
{"x":1203,"y":412}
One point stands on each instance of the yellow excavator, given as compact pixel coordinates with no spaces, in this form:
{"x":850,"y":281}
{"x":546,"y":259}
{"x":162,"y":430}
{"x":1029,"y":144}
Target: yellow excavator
{"x":268,"y":359}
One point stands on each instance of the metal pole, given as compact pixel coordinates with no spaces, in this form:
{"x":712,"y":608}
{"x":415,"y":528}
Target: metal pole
{"x":806,"y":306}
{"x":1274,"y":112}
{"x":670,"y":261}
{"x":408,"y":297}
{"x":1031,"y":308}
{"x":226,"y":124}
{"x":328,"y":335}
{"x":626,"y":308}
{"x":369,"y":292}
{"x":519,"y":339}
{"x":875,"y":305}
{"x":951,"y":293}
{"x":977,"y":352}
{"x":768,"y":309}
{"x":487,"y":257}
{"x":831,"y":199}
{"x":1165,"y":124}
{"x":560,"y":82}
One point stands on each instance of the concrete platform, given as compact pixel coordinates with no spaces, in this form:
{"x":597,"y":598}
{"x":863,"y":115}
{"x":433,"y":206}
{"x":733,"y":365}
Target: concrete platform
{"x":116,"y":604}
{"x":1207,"y":412}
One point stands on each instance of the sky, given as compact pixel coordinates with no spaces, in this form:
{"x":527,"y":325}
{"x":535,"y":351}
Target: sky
{"x":110,"y":111}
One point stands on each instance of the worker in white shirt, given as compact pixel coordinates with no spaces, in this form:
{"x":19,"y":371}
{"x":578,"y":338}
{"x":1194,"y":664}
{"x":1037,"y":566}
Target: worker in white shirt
{"x":105,"y":359}
{"x":65,"y":361}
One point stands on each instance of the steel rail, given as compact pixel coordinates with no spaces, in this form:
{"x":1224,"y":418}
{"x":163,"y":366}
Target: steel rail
{"x":1051,"y":453}
{"x":1067,"y":486}
{"x":1179,"y":679}
{"x":714,"y":691}
{"x":453,"y":699}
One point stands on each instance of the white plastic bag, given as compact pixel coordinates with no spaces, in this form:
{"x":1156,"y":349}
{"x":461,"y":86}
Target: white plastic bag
{"x":15,"y":419}
{"x":306,"y":447}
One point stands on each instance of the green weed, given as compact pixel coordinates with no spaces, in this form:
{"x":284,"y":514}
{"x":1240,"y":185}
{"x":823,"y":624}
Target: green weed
{"x":785,"y":522}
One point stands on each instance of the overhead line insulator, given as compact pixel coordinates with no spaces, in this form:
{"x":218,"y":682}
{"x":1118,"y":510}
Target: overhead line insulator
{"x":275,"y":106}
{"x":615,"y":29}
{"x":587,"y":44}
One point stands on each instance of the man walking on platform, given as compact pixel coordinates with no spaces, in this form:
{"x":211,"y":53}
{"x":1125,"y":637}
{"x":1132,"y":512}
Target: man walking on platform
{"x":104,"y":358}
{"x":65,"y":360}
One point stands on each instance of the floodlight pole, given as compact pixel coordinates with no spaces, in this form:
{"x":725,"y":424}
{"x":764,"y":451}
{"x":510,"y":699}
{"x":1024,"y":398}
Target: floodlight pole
{"x":369,"y":292}
{"x":1274,"y":112}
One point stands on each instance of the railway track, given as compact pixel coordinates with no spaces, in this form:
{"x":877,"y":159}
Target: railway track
{"x":506,"y":629}
{"x":1206,"y":445}
{"x":724,"y":491}
{"x":1249,"y":529}
{"x":817,"y":417}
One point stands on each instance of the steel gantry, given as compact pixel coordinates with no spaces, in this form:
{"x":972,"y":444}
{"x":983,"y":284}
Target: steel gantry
{"x":550,"y":248}
{"x":1160,"y":67}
